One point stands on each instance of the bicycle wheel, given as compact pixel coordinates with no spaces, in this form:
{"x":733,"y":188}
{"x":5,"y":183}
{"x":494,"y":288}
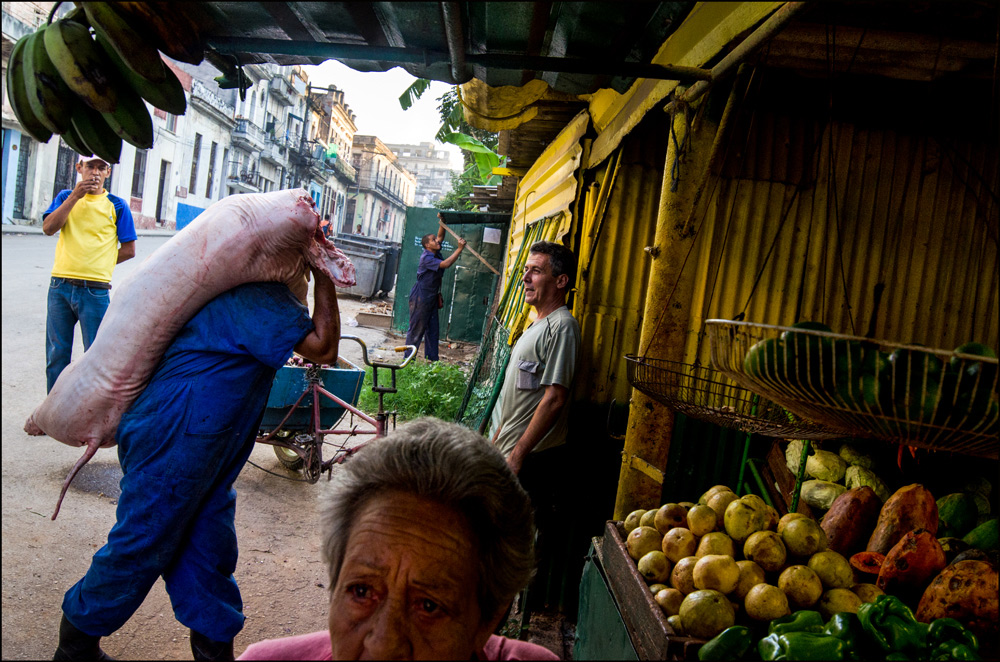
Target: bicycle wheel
{"x":288,"y":458}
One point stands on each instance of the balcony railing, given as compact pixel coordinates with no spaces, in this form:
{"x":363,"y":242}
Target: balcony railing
{"x":249,"y":133}
{"x":345,"y":169}
{"x":244,"y":178}
{"x":389,"y":193}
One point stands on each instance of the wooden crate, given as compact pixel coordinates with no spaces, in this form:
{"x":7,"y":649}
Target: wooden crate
{"x":651,"y":635}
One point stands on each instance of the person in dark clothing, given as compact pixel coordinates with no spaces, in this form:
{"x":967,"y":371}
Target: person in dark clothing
{"x":425,"y":295}
{"x":181,"y":446}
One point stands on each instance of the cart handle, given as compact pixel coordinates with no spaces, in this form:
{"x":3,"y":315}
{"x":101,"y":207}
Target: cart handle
{"x":378,"y":364}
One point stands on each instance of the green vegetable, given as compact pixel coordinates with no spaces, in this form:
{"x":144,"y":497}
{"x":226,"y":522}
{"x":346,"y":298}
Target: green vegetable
{"x":954,"y":652}
{"x":957,"y":514}
{"x":891,"y":625}
{"x":802,"y":646}
{"x":730,"y":644}
{"x":821,"y":493}
{"x":853,"y":456}
{"x":846,"y":627}
{"x":825,"y":465}
{"x":950,"y":632}
{"x":986,"y":536}
{"x":805,"y":620}
{"x":857,"y":476}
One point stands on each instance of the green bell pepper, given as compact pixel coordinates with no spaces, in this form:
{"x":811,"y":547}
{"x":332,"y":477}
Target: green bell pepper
{"x":804,"y":646}
{"x":891,"y":625}
{"x":954,"y":651}
{"x":730,"y":644}
{"x":846,"y":627}
{"x":949,"y":631}
{"x":805,"y":620}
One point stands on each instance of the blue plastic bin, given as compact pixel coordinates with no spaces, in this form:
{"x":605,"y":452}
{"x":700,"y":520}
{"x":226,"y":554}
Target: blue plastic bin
{"x":344,"y":381}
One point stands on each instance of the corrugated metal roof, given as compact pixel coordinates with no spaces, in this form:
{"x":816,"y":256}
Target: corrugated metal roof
{"x":576,"y":47}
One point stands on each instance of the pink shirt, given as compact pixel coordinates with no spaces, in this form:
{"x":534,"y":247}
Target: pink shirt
{"x":316,"y":646}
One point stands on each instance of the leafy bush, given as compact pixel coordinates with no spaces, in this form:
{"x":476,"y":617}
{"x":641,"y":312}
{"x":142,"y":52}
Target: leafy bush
{"x":422,"y":389}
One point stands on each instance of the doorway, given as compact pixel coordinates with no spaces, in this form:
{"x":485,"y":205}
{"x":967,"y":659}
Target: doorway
{"x":164,"y":167}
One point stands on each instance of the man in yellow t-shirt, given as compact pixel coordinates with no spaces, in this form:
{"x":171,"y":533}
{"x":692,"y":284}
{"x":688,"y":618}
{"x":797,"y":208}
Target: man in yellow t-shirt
{"x":96,"y":232}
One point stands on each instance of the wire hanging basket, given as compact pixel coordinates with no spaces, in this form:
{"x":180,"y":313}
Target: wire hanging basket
{"x":707,"y":395}
{"x":930,"y":398}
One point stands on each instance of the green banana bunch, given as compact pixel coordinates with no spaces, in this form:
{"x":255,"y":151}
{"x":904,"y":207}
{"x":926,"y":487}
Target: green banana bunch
{"x":84,"y":67}
{"x":131,"y":120}
{"x":166,"y":93}
{"x":48,"y":96}
{"x":18,"y":95}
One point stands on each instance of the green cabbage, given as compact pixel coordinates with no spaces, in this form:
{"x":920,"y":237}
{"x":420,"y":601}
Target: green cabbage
{"x":825,"y":465}
{"x":821,"y":493}
{"x":860,"y":477}
{"x":852,"y":455}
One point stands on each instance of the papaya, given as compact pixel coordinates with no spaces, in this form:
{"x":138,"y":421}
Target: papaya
{"x":866,"y":566}
{"x":967,"y":592}
{"x":851,"y":519}
{"x":957,"y":514}
{"x":986,"y":536}
{"x":911,"y":507}
{"x":911,"y":565}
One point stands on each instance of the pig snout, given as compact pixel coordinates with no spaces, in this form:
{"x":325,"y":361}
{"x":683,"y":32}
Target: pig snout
{"x":32,"y":428}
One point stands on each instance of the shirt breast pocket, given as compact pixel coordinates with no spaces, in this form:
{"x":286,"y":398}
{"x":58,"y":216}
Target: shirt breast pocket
{"x":529,"y":375}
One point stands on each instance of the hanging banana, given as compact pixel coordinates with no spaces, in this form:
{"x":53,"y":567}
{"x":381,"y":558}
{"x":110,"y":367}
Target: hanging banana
{"x":98,"y":136}
{"x":76,"y":143}
{"x":131,"y":120}
{"x":168,"y":26}
{"x":133,"y":50}
{"x":167,"y":94}
{"x":84,"y":67}
{"x":18,"y":96}
{"x":49,"y":98}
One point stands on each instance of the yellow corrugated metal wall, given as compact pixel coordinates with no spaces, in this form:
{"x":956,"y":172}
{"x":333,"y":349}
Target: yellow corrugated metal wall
{"x":614,"y":290}
{"x":875,"y":207}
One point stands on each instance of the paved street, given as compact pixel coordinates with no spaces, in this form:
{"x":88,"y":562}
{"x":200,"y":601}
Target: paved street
{"x":280,"y":573}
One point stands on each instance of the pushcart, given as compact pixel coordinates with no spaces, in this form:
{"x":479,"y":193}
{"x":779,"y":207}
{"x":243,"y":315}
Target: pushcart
{"x":307,"y":402}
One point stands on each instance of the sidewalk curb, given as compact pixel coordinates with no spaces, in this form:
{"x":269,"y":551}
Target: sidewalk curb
{"x":34,"y":229}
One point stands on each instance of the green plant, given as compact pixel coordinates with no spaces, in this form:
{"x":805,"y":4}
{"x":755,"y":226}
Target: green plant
{"x":422,"y":389}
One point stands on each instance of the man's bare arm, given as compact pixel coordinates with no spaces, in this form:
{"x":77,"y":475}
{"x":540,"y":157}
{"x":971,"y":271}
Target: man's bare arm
{"x":546,"y":414}
{"x":450,"y":260}
{"x":322,"y":343}
{"x":126,"y":251}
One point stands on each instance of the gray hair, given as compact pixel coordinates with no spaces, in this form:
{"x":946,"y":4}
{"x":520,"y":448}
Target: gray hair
{"x":460,"y":469}
{"x":561,"y":258}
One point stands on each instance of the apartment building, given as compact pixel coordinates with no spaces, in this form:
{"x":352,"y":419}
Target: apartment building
{"x":385,"y":190}
{"x":431,"y":165}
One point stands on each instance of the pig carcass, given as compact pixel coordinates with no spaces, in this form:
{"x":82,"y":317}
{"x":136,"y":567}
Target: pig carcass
{"x":241,"y":239}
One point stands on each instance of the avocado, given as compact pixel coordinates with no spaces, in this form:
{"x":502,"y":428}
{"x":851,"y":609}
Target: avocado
{"x":985,"y":537}
{"x":957,"y":513}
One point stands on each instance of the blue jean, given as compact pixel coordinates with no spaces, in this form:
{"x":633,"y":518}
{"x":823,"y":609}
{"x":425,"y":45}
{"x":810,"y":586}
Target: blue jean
{"x":424,"y":324}
{"x":67,"y":305}
{"x":175,"y":519}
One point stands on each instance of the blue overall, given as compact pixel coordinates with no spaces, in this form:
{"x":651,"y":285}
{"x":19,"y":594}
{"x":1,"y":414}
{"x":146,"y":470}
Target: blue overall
{"x":181,"y":446}
{"x":424,"y":304}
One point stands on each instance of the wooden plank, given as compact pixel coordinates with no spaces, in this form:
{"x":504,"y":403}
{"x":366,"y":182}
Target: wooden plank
{"x":652,"y":636}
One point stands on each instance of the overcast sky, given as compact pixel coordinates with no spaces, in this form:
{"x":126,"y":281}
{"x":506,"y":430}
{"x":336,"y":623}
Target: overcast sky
{"x":374,"y":98}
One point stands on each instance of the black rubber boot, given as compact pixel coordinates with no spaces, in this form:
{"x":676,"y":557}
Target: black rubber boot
{"x":204,"y":648}
{"x":77,"y":645}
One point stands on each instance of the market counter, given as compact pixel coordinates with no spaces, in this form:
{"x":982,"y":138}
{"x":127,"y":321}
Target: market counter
{"x":618,"y":618}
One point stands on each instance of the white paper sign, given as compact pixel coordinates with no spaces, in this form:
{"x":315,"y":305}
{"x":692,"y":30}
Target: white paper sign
{"x":491,"y":236}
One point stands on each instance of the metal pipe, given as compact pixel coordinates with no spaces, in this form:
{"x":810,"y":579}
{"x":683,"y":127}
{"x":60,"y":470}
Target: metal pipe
{"x":455,"y":36}
{"x":772,"y":26}
{"x":429,"y":57}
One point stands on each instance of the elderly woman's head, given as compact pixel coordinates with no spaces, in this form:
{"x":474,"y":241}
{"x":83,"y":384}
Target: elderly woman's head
{"x":429,"y":536}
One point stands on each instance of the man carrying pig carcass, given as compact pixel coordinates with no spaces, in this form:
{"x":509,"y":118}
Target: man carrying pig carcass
{"x":182,"y":444}
{"x":96,"y":232}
